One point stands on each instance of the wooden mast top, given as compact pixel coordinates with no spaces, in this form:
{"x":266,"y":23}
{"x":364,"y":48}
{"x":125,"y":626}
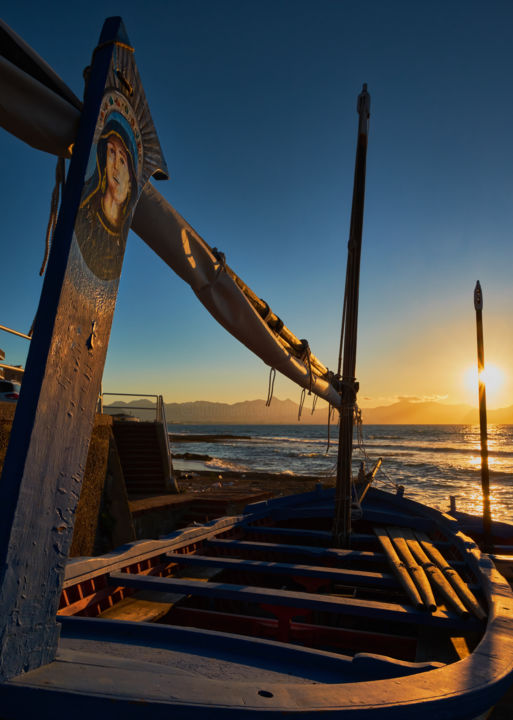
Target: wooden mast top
{"x":349,"y":386}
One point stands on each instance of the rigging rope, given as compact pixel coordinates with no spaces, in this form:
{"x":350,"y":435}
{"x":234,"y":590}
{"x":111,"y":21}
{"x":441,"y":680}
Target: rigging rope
{"x":301,"y":403}
{"x":270,"y":389}
{"x":54,"y":210}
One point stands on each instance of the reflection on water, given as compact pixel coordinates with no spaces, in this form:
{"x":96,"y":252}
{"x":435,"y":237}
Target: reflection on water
{"x":431,"y":461}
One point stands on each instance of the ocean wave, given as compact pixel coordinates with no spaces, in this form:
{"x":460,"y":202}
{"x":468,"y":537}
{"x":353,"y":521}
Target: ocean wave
{"x":427,"y":447}
{"x":224,"y":464}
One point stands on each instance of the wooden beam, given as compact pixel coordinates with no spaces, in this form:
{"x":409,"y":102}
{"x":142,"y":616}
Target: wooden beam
{"x":331,"y":575}
{"x":387,"y":612}
{"x":45,"y":461}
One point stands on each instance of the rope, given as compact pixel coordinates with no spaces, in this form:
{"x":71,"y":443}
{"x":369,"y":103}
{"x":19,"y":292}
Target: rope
{"x":301,"y":403}
{"x":388,"y":482}
{"x":314,"y":403}
{"x":270,"y":389}
{"x":54,"y":210}
{"x":330,"y":408}
{"x":306,"y":358}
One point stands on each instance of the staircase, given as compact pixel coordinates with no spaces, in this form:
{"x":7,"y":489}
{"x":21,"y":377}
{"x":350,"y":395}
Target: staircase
{"x":143,"y":457}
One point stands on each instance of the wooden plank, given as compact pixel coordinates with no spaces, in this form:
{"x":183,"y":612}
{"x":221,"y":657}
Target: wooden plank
{"x":435,"y":574}
{"x":145,"y":606}
{"x":324,"y":603}
{"x":399,"y":568}
{"x":308,"y":634}
{"x":321,"y":535}
{"x":336,"y":554}
{"x":45,"y":461}
{"x":415,"y":570}
{"x":148,"y":606}
{"x":334,"y":575}
{"x":461,"y":587}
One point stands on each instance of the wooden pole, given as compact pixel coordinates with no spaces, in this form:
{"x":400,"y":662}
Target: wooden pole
{"x":45,"y":460}
{"x":485,"y":478}
{"x":349,"y":389}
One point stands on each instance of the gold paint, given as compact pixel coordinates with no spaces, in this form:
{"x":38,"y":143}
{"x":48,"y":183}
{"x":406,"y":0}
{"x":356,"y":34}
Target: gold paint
{"x":187,"y":248}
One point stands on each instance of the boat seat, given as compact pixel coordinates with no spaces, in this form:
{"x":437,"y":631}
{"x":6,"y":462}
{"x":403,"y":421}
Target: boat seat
{"x":388,"y":612}
{"x":360,"y":578}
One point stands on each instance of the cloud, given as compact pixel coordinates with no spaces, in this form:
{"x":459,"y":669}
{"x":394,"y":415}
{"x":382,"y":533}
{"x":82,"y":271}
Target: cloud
{"x":382,"y":401}
{"x":421,"y":398}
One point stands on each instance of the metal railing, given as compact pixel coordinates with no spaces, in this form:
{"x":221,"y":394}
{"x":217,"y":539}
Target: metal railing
{"x":5,"y":366}
{"x":155,"y":409}
{"x":15,"y":332}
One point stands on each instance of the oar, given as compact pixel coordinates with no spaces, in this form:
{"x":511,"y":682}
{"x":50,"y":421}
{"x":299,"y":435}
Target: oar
{"x":434,"y":573}
{"x":399,"y":568}
{"x":416,"y":571}
{"x":460,"y":586}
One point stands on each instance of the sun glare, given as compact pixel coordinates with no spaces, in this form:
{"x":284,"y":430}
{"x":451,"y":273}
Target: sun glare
{"x":493,"y":378}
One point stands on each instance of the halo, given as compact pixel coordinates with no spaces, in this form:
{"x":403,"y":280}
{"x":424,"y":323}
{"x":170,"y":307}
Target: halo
{"x":114,"y":101}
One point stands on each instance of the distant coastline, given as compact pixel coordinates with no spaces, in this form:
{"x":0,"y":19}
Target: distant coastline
{"x":285,"y":412}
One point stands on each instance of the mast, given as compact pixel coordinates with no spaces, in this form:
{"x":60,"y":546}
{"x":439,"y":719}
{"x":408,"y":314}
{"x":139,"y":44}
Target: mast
{"x":483,"y":425}
{"x":349,"y":386}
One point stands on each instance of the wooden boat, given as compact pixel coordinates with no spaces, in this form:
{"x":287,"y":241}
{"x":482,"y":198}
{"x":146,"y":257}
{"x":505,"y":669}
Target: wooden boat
{"x":255,"y":615}
{"x":258,"y":614}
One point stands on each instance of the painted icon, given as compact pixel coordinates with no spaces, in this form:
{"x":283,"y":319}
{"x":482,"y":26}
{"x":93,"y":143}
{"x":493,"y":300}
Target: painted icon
{"x":110,"y":189}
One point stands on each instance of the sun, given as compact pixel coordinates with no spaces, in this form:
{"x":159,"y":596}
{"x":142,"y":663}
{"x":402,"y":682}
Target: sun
{"x":493,"y":378}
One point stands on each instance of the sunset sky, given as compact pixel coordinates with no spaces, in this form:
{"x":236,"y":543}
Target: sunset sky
{"x":254,"y":102}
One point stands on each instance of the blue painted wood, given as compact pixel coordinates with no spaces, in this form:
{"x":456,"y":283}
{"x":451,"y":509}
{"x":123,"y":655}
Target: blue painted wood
{"x":334,"y":575}
{"x":321,"y":535}
{"x":46,"y":457}
{"x":340,"y":555}
{"x":387,"y":612}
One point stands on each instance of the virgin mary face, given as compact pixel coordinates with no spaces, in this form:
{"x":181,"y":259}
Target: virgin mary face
{"x":118,"y":175}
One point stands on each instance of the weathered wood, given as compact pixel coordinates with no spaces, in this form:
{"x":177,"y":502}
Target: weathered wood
{"x":368,"y":480}
{"x":435,"y":574}
{"x":349,"y":386}
{"x":329,"y":603}
{"x":330,"y":575}
{"x":483,"y":425}
{"x":460,"y":586}
{"x":339,"y":555}
{"x":42,"y":477}
{"x":415,"y":571}
{"x":320,"y":535}
{"x":399,"y":568}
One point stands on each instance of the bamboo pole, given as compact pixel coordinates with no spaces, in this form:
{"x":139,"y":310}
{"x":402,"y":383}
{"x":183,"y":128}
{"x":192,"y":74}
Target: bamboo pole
{"x":483,"y":426}
{"x":416,"y":571}
{"x":342,"y":519}
{"x":434,"y":574}
{"x":459,"y":585}
{"x":399,"y":568}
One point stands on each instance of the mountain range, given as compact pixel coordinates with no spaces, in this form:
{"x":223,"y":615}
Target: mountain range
{"x":285,"y":412}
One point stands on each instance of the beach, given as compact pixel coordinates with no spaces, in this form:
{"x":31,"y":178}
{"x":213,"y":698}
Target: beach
{"x":431,"y":462}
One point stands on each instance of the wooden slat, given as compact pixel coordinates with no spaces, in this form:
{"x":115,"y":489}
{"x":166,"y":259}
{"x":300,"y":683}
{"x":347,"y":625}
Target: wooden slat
{"x":461,"y":587}
{"x":321,"y":535}
{"x":436,"y":576}
{"x":415,"y":570}
{"x":399,"y":568}
{"x":309,"y":635}
{"x":339,"y":555}
{"x":325,"y":603}
{"x":335,"y":575}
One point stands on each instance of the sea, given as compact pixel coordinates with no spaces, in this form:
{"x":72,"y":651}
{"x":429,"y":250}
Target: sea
{"x":432,"y":462}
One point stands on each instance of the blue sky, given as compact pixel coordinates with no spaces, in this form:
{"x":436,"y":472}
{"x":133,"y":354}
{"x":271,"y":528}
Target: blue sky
{"x":255,"y":106}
